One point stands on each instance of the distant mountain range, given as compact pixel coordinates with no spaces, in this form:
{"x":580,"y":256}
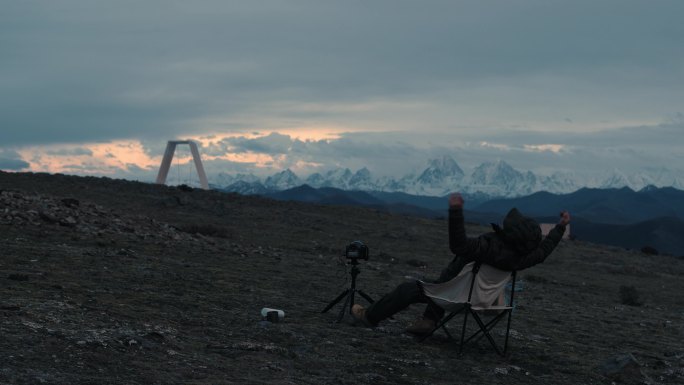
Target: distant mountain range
{"x":628,"y":211}
{"x":442,"y":176}
{"x":621,"y":217}
{"x":609,"y":206}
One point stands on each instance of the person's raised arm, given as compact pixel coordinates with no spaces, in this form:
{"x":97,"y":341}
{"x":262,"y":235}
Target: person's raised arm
{"x":459,"y":243}
{"x":547,"y":245}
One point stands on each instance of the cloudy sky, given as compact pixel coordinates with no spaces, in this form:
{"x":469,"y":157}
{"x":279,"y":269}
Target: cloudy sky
{"x":98,"y":87}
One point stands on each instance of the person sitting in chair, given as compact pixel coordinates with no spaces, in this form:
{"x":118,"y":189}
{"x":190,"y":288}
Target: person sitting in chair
{"x":516,"y":246}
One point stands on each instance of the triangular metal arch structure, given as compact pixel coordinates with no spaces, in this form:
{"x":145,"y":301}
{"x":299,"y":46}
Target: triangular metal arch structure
{"x":168,"y":157}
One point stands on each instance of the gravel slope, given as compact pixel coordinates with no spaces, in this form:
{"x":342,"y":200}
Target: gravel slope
{"x":113,"y":282}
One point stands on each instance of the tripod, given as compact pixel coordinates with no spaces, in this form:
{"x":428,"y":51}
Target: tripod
{"x":349,"y":293}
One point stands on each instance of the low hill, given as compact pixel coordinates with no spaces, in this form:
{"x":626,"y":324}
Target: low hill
{"x":621,"y":217}
{"x":335,"y":196}
{"x":115,"y":282}
{"x":612,"y":206}
{"x":435,"y":204}
{"x":663,"y":234}
{"x":325,"y":195}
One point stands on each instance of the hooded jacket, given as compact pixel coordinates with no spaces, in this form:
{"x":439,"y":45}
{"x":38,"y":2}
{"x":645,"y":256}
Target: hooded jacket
{"x":495,"y":249}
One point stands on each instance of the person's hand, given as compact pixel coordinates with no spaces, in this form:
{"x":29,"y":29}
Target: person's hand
{"x":564,"y":218}
{"x":455,"y":201}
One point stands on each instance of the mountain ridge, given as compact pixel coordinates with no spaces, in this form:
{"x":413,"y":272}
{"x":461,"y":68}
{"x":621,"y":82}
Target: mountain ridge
{"x":443,"y":175}
{"x":617,"y":217}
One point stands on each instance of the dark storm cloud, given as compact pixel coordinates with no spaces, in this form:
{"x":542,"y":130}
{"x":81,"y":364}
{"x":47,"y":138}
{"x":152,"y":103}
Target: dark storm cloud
{"x":10,"y":160}
{"x":627,"y":148}
{"x":76,"y":71}
{"x":354,"y":151}
{"x":667,"y":136}
{"x":631,"y":148}
{"x":272,"y":144}
{"x":349,"y":145}
{"x":217,"y":166}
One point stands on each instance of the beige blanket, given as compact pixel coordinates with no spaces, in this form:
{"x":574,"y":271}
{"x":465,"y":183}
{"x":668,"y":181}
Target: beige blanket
{"x":488,"y":289}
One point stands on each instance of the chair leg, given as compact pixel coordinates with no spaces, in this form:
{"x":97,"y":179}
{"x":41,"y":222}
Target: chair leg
{"x":489,"y":326}
{"x":441,"y":324}
{"x":484,"y":330}
{"x":508,"y":330}
{"x":463,"y":330}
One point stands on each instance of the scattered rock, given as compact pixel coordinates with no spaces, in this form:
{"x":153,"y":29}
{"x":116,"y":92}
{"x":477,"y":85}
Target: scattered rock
{"x":254,"y":347}
{"x":629,"y":296}
{"x":501,"y":371}
{"x":47,"y":217}
{"x":85,"y":218}
{"x":538,"y":338}
{"x":374,"y":378}
{"x":623,"y":367}
{"x":70,"y":202}
{"x":155,"y":336}
{"x":18,"y":277}
{"x":416,"y":263}
{"x":182,"y":201}
{"x":68,"y":222}
{"x":648,"y":250}
{"x":536,"y":278}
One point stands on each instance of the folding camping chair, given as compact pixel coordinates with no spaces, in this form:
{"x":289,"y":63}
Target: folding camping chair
{"x":484,"y":285}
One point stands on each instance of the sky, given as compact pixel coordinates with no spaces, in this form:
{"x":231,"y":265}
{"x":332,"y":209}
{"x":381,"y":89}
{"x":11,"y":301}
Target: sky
{"x":94,"y":87}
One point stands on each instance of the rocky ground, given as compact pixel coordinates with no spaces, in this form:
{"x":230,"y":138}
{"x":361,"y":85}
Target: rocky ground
{"x":113,"y":282}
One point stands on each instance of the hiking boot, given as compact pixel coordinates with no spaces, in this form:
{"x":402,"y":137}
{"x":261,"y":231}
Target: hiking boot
{"x":359,"y":314}
{"x":421,"y":326}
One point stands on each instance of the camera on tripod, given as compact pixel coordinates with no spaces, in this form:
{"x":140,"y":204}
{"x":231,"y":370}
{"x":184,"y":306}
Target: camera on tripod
{"x":356,"y":250}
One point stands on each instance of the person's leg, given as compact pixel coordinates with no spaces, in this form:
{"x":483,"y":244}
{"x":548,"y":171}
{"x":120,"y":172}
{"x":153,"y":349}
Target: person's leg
{"x":433,"y":312}
{"x":400,"y":298}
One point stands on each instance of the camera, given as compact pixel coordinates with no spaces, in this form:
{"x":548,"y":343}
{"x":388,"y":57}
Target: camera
{"x":356,"y":250}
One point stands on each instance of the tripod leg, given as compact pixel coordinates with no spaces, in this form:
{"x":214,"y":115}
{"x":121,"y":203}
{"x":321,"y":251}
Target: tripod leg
{"x":347,"y":302}
{"x":335,"y":301}
{"x":366,"y":296}
{"x":351,"y":299}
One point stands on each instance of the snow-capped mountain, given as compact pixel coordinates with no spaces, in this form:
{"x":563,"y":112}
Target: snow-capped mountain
{"x":636,"y":181}
{"x":315,"y":180}
{"x":500,"y":179}
{"x":225,"y":179}
{"x":344,"y":179}
{"x":615,"y":180}
{"x":389,"y":184}
{"x":362,"y":180}
{"x":247,"y":188}
{"x":283,"y":180}
{"x":338,"y":178}
{"x":558,"y":183}
{"x":443,"y":176}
